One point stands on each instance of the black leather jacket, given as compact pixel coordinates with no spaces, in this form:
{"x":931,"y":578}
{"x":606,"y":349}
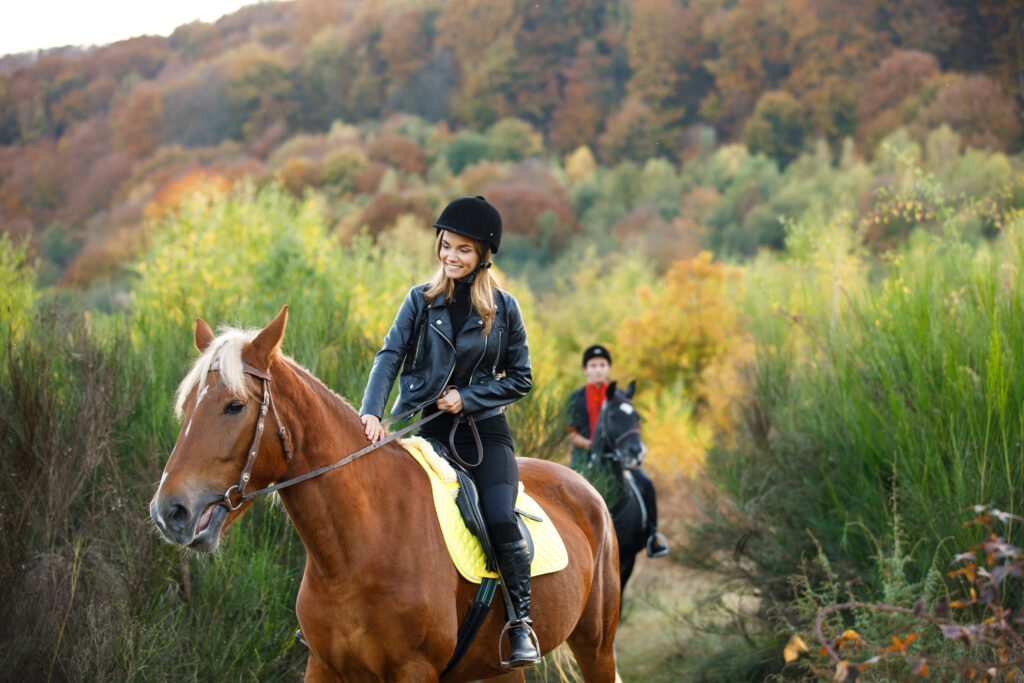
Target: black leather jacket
{"x":490,"y":371}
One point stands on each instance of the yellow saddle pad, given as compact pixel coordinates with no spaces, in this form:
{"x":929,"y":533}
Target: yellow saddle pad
{"x":465,"y":550}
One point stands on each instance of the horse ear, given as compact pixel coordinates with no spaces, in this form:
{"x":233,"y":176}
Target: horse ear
{"x":259,"y":351}
{"x":631,"y":389}
{"x":203,"y":335}
{"x":610,"y":391}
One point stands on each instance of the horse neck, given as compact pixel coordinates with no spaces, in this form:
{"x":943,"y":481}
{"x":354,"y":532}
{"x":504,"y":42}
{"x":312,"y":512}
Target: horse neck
{"x":337,"y":512}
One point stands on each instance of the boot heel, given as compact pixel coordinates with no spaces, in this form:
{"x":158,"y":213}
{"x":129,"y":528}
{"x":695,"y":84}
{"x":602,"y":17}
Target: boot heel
{"x":523,"y":646}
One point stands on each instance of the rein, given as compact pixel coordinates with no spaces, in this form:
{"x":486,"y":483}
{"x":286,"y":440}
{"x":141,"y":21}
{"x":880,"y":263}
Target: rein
{"x":268,"y":404}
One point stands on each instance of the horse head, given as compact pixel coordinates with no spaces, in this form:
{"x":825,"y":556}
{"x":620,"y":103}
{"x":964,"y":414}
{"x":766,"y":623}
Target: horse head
{"x":224,"y":402}
{"x":617,"y":431}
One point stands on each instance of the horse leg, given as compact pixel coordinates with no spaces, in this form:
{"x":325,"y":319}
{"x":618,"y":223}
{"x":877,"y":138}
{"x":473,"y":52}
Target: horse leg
{"x":318,"y":672}
{"x":593,"y":640}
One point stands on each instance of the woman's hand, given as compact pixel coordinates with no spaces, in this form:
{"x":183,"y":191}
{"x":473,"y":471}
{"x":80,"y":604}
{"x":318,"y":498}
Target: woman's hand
{"x":450,"y":401}
{"x":373,"y":428}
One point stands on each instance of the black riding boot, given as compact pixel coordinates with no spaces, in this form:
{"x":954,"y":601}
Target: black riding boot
{"x":514,"y":563}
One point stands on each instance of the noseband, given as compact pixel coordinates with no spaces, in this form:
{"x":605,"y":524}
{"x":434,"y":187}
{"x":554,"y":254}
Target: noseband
{"x":268,"y":405}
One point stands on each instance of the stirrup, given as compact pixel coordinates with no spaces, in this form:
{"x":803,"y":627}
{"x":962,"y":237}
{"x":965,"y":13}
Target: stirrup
{"x":300,"y":638}
{"x":659,"y":538}
{"x":519,"y":623}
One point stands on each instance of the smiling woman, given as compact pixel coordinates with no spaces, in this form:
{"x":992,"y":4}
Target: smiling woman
{"x":30,"y":26}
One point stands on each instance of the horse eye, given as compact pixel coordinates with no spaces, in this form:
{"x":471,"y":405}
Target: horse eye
{"x":234,"y":408}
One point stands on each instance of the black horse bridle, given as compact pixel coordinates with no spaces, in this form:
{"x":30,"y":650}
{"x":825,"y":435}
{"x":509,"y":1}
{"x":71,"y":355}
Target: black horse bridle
{"x":600,"y":428}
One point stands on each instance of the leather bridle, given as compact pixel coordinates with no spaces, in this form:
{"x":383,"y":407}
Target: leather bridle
{"x":267,"y":405}
{"x":606,"y":439}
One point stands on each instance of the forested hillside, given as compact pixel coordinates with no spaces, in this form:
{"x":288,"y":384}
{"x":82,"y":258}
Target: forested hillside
{"x":390,"y":106}
{"x":799,"y":224}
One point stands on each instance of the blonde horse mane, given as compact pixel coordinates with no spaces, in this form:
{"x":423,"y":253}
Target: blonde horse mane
{"x":226,"y":351}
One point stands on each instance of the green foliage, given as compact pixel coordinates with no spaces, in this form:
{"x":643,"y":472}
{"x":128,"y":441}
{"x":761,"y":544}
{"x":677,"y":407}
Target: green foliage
{"x":870,"y":390}
{"x":777,"y":127}
{"x":17,"y":288}
{"x":467,"y":149}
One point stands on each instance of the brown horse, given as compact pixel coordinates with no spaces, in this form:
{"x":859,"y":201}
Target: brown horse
{"x":380,"y":598}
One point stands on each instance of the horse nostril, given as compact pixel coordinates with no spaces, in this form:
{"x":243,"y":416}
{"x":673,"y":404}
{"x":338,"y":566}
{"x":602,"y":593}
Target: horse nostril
{"x":176,"y":516}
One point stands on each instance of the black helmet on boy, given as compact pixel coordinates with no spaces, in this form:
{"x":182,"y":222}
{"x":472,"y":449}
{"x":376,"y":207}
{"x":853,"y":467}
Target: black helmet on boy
{"x":596,"y":351}
{"x":472,"y":217}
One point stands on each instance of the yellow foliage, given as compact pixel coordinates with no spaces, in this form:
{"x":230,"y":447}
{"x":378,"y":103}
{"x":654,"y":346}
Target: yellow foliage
{"x":794,"y":648}
{"x":686,"y":345}
{"x":676,"y":443}
{"x":580,"y":164}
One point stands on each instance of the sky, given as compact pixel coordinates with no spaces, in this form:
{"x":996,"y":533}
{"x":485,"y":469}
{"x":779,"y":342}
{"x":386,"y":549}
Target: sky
{"x":35,"y":24}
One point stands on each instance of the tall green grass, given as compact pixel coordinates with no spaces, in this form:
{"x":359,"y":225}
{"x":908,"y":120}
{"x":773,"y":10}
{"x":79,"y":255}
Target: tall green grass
{"x":882,"y":391}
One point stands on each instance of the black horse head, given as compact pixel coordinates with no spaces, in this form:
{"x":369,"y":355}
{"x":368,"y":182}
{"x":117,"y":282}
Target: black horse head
{"x":617,"y":430}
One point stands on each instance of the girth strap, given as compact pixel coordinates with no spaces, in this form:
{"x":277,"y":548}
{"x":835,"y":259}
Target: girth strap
{"x":471,"y":624}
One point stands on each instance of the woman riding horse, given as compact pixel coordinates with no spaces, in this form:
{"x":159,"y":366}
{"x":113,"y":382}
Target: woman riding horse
{"x":460,"y":343}
{"x":380,"y":598}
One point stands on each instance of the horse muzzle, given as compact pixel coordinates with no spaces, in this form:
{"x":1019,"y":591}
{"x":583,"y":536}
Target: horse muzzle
{"x":195,"y":524}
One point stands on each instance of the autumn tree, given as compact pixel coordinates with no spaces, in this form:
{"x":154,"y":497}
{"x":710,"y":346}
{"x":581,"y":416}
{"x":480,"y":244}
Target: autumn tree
{"x":974,"y":106}
{"x":777,"y":127}
{"x":578,"y":119}
{"x":889,"y":92}
{"x":684,"y":326}
{"x":666,"y":60}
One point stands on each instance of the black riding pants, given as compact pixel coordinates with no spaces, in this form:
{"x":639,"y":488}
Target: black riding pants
{"x":497,"y":476}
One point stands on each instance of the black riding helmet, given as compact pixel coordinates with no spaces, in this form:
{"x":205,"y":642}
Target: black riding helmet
{"x":472,"y":217}
{"x":596,"y":351}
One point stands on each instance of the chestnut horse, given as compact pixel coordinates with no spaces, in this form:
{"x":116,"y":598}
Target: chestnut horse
{"x":380,"y":599}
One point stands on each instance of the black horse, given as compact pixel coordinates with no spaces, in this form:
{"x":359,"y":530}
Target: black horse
{"x":616,"y":452}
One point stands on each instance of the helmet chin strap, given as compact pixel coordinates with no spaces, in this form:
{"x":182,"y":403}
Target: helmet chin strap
{"x":471,"y":278}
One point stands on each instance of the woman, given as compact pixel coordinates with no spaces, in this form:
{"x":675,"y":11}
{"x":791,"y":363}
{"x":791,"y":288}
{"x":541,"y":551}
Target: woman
{"x":460,"y":343}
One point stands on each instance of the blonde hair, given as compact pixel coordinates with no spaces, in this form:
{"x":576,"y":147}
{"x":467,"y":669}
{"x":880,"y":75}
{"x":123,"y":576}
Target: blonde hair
{"x":226,"y":351}
{"x":481,"y":292}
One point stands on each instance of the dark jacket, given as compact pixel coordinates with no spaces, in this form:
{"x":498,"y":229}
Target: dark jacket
{"x":490,"y":371}
{"x":577,"y":409}
{"x":580,"y":421}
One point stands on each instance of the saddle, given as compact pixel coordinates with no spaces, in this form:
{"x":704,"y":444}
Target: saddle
{"x":457,"y":505}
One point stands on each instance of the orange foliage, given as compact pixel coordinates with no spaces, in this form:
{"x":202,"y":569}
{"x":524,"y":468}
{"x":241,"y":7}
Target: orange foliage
{"x":578,"y":118}
{"x":631,"y":133}
{"x":400,"y":152}
{"x":888,"y":90}
{"x":688,"y":325}
{"x":478,"y":176}
{"x":385,"y":208}
{"x":298,"y":173}
{"x":976,"y":108}
{"x":661,"y":241}
{"x":139,"y":122}
{"x":199,"y":182}
{"x":522,"y":205}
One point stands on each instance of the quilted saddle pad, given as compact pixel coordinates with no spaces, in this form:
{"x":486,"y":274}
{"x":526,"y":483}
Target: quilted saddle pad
{"x":549,"y":551}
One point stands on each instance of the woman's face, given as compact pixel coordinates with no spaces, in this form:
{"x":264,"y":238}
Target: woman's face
{"x":458,"y":255}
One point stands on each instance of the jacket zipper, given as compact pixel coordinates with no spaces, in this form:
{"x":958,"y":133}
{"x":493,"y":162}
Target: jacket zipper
{"x":450,"y":372}
{"x":480,"y":359}
{"x":419,"y":347}
{"x":494,"y":368}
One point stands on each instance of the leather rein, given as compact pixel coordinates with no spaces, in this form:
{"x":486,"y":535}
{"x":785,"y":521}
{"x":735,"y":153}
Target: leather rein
{"x":267,"y":405}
